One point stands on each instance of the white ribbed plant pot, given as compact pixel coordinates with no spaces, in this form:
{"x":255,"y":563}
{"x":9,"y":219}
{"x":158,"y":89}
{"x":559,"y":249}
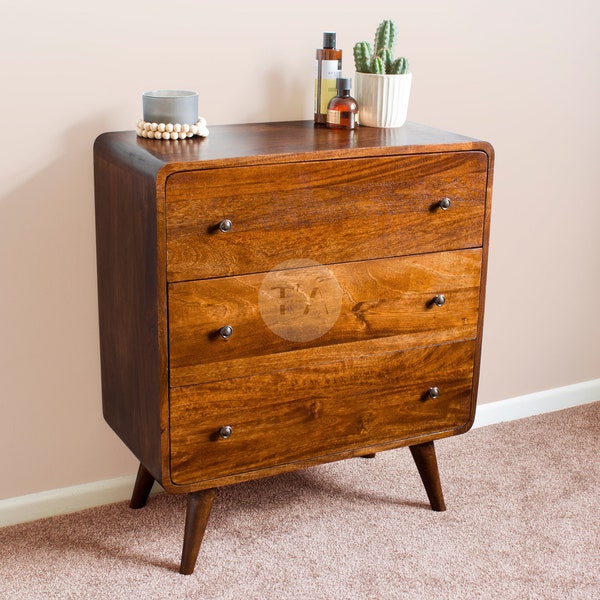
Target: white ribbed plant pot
{"x":382,"y":99}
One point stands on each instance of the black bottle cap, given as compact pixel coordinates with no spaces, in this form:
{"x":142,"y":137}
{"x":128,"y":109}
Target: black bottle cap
{"x":329,"y":39}
{"x":343,"y":83}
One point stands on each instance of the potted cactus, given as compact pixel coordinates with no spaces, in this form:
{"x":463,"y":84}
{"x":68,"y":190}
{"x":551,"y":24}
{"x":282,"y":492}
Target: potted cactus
{"x":382,"y":82}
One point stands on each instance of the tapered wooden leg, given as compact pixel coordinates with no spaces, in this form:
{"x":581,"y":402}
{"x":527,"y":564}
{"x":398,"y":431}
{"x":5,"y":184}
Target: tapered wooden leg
{"x":141,"y":490}
{"x":199,"y":505}
{"x":424,"y":457}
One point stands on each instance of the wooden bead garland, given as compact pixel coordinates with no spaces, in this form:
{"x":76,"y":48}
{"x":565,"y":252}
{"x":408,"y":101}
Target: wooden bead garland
{"x":171,"y":131}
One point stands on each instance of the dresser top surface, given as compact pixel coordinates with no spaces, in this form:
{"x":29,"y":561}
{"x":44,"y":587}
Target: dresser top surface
{"x":254,"y":143}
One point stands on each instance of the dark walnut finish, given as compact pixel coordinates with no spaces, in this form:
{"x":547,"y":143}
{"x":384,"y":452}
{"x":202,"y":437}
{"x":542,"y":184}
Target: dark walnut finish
{"x":277,"y":296}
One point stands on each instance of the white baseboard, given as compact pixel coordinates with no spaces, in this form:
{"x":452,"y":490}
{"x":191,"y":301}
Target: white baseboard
{"x":537,"y":403}
{"x":66,"y":500}
{"x":80,"y":497}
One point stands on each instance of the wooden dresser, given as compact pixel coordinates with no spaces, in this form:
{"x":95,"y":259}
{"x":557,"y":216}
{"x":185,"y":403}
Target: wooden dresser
{"x":277,"y":296}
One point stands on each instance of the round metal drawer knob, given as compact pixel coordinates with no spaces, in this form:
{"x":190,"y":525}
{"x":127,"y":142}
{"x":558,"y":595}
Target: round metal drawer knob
{"x":445,"y":203}
{"x":434,"y":392}
{"x":439,"y":300}
{"x":226,"y":332}
{"x":225,"y":432}
{"x":225,"y":226}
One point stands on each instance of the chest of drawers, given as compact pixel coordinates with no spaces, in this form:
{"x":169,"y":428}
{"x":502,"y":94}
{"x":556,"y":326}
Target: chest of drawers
{"x":277,"y":296}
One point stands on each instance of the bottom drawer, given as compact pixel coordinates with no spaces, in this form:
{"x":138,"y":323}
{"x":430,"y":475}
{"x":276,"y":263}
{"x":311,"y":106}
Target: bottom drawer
{"x":317,"y":411}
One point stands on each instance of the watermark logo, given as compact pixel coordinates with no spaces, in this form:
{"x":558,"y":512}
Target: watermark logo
{"x":300,"y":300}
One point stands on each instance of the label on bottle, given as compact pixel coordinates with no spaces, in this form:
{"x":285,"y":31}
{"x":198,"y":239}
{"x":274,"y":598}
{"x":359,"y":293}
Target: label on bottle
{"x":334,"y":117}
{"x":326,"y":72}
{"x":343,"y":118}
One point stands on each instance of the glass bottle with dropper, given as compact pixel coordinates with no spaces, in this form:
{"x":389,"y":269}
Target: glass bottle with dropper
{"x":342,"y":111}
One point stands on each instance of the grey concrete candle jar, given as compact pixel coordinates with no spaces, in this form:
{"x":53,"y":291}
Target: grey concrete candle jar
{"x":170,"y":106}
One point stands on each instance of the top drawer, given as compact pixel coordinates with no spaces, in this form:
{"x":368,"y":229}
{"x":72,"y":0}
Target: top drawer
{"x":327,"y":211}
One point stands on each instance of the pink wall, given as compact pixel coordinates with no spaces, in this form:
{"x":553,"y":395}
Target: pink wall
{"x":522,"y":75}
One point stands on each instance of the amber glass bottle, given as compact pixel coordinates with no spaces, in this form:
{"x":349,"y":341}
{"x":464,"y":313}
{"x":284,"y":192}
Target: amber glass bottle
{"x":342,"y":112}
{"x":328,"y":67}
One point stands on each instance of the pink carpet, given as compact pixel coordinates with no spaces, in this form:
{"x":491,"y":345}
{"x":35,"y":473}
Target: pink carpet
{"x":521,"y":523}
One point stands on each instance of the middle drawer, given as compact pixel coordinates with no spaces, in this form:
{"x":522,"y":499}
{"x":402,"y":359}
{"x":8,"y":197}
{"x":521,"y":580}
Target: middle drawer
{"x":243,"y":325}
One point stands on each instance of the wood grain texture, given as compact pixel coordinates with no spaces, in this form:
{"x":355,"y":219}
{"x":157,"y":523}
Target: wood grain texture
{"x":426,"y":461}
{"x":337,"y":248}
{"x":134,"y":177}
{"x":142,"y":488}
{"x":391,"y":298}
{"x":317,"y":410}
{"x":199,"y":505}
{"x":131,"y":300}
{"x":293,"y":141}
{"x":333,"y":211}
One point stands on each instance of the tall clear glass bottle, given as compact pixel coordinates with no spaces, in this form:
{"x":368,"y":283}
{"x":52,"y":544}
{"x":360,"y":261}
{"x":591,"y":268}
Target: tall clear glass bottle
{"x":328,"y":67}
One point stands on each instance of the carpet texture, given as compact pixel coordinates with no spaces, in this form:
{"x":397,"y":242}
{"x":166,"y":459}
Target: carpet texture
{"x":522,"y":522}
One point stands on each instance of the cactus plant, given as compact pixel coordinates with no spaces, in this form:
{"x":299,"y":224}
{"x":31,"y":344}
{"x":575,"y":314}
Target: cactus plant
{"x":380,"y":59}
{"x":399,"y":66}
{"x":377,"y":65}
{"x":363,"y":55}
{"x":385,"y":36}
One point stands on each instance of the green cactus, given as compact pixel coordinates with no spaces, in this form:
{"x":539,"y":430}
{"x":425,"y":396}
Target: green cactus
{"x":362,"y":57}
{"x":377,"y":65}
{"x":380,"y":58}
{"x":399,"y":66}
{"x":385,"y":36}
